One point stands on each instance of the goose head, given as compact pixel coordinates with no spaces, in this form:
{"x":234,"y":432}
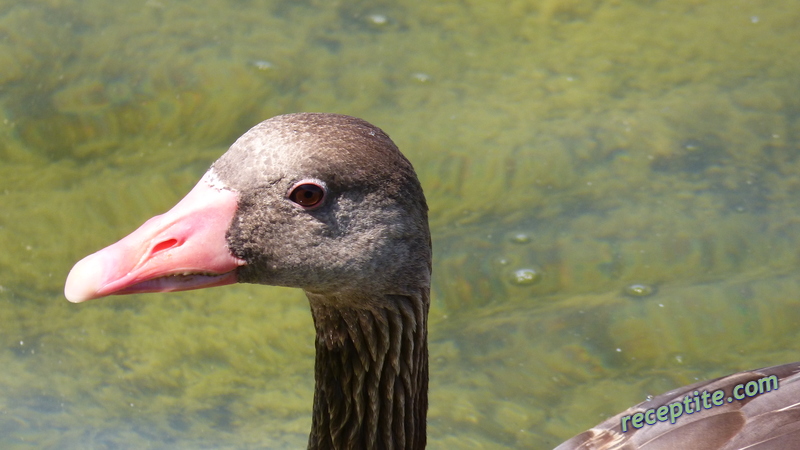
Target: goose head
{"x":321,"y":202}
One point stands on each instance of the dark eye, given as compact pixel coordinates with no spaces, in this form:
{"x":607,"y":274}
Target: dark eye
{"x":307,"y":195}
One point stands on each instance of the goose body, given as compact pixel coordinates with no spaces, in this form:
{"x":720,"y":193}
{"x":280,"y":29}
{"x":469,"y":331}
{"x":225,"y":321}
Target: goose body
{"x":328,"y":204}
{"x":755,"y":410}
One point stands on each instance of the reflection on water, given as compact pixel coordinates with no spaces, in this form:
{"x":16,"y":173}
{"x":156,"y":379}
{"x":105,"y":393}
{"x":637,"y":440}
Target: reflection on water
{"x":569,"y":151}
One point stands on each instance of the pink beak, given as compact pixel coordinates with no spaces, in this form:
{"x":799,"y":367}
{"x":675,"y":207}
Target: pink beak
{"x":183,"y":249}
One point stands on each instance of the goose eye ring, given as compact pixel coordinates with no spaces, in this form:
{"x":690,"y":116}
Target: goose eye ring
{"x":308,"y":194}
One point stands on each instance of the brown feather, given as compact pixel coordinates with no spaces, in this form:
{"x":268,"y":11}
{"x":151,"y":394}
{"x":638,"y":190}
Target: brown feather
{"x":767,"y":421}
{"x":371,"y":374}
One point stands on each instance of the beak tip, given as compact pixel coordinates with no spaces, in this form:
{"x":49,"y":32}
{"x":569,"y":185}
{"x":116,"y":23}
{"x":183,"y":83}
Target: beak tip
{"x":81,"y":284}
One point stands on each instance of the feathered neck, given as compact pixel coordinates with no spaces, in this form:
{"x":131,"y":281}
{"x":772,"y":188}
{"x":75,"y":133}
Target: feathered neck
{"x":371,"y":373}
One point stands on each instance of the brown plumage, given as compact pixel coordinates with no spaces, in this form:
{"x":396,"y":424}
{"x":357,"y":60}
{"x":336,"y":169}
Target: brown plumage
{"x":372,"y":376}
{"x":767,"y":421}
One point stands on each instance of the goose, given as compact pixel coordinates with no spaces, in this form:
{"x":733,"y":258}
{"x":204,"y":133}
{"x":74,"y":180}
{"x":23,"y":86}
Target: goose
{"x":327,"y":203}
{"x":322,"y":202}
{"x":755,"y":410}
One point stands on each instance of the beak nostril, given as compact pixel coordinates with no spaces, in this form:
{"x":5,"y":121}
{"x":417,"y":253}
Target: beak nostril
{"x":166,"y":245}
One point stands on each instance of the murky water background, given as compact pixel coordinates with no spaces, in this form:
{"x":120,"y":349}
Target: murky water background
{"x":569,"y":149}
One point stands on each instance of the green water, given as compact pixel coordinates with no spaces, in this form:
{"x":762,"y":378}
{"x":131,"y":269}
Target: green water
{"x":597,"y":143}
